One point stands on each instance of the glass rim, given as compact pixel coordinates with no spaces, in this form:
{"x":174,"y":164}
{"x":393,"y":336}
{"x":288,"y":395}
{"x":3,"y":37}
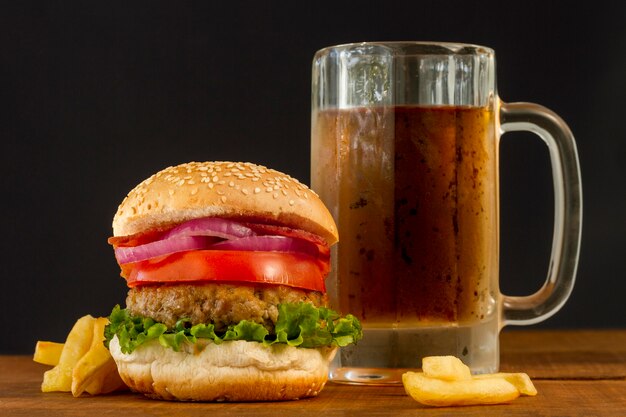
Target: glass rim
{"x":447,"y":48}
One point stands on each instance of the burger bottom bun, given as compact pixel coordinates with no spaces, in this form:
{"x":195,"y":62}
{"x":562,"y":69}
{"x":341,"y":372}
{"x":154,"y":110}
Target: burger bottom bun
{"x":230,"y":371}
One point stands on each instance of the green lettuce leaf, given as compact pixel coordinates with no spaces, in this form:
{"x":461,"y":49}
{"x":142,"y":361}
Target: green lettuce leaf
{"x":299,"y":324}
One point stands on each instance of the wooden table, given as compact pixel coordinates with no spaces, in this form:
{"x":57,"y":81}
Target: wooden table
{"x":577,"y":373}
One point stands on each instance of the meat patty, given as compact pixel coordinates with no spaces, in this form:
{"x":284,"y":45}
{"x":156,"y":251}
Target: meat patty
{"x":219,"y":304}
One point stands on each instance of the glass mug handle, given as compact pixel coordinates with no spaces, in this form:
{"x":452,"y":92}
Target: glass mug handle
{"x":567,"y":212}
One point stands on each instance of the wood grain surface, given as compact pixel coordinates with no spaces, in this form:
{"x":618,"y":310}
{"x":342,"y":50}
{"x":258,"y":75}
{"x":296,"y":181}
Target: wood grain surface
{"x":577,"y":373}
{"x":581,"y":354}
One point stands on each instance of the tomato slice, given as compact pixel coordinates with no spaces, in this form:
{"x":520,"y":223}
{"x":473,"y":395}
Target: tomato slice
{"x":283,"y":268}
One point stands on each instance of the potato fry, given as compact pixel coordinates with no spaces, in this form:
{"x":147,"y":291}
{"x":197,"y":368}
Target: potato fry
{"x":446,"y":381}
{"x":47,"y":353}
{"x":78,"y":342}
{"x":447,"y":368}
{"x":520,"y":380}
{"x":106,"y":380}
{"x":82,"y":364}
{"x":95,"y":363}
{"x":110,"y":382}
{"x":94,"y":387}
{"x":438,"y":392}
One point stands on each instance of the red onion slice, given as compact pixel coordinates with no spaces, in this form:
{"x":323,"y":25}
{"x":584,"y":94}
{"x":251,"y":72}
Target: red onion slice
{"x":162,"y":247}
{"x":211,"y":226}
{"x":208,"y":232}
{"x":268,"y":244}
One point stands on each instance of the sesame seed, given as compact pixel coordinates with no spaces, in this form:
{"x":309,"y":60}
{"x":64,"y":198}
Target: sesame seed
{"x":170,"y":192}
{"x":245,"y":191}
{"x":269,"y":189}
{"x":284,"y":192}
{"x":181,"y":182}
{"x":220,"y":192}
{"x":194,"y":191}
{"x":231,"y":184}
{"x":291,"y":202}
{"x":191,"y":182}
{"x":257,"y":190}
{"x":223,"y":199}
{"x":255,"y":179}
{"x":215,"y":178}
{"x":211,"y":185}
{"x":275,"y":195}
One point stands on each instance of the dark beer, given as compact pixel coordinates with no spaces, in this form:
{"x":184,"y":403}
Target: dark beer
{"x":414,"y":193}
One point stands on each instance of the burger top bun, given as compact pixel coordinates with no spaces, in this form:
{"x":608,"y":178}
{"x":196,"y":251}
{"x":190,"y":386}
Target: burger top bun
{"x":223,"y":189}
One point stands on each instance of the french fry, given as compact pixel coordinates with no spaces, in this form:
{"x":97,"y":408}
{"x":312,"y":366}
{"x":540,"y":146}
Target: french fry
{"x":448,"y":368}
{"x":110,"y":382}
{"x":95,"y":364}
{"x":446,"y":381}
{"x":106,"y":380}
{"x":94,"y":387}
{"x":438,"y":392}
{"x":77,"y":344}
{"x":47,"y":353}
{"x":520,"y":380}
{"x":96,"y":372}
{"x":82,"y":364}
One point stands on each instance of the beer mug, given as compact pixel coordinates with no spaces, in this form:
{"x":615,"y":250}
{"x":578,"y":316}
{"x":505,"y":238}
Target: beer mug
{"x":405,"y":155}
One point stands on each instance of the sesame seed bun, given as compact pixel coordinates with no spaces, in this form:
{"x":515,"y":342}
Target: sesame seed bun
{"x":230,"y":371}
{"x":233,"y":190}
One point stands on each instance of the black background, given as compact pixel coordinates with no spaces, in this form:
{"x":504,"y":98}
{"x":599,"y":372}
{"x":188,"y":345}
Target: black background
{"x":96,"y":96}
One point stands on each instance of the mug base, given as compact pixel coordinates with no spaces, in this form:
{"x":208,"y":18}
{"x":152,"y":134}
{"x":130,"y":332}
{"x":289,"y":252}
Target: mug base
{"x":383,"y":355}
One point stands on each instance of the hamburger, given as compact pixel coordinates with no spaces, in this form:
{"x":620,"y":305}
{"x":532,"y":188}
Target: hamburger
{"x":226,"y":265}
